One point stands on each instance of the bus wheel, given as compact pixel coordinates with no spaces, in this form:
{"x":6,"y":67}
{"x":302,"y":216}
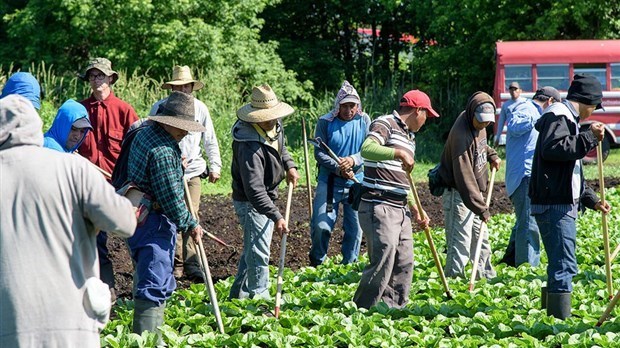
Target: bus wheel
{"x":591,"y":156}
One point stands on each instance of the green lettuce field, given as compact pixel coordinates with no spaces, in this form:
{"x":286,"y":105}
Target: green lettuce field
{"x":318,"y":311}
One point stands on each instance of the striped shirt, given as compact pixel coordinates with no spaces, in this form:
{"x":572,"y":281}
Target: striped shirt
{"x":154,"y":165}
{"x":386,"y":181}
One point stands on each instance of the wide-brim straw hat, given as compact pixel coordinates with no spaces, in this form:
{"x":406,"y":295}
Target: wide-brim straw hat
{"x":264,"y":106}
{"x":182,"y":75}
{"x":102,"y":64}
{"x":178,"y":111}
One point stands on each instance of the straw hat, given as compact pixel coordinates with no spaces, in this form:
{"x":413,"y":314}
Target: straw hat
{"x":178,"y":111}
{"x":182,"y":75}
{"x":102,"y":64}
{"x":264,"y":106}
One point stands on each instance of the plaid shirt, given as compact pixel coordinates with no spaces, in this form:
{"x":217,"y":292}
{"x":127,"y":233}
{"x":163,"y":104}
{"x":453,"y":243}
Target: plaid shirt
{"x":155,"y":166}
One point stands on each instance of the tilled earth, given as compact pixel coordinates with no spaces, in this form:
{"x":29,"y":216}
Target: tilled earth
{"x":218,"y":217}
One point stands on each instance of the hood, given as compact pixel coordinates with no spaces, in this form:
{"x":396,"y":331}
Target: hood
{"x":68,"y":113}
{"x":345,"y":90}
{"x":21,"y":125}
{"x":243,"y":131}
{"x":473,"y":102}
{"x":26,"y":85}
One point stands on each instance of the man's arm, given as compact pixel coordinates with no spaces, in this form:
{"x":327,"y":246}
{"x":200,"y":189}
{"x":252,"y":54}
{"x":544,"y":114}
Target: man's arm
{"x":322,"y":157}
{"x":558,"y":144}
{"x":209,"y":139}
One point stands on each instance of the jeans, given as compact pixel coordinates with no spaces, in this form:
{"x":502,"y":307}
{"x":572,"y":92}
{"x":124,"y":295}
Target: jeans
{"x":524,"y":238}
{"x":388,"y":274}
{"x":559,"y":233}
{"x":152,"y":251}
{"x":323,"y":223}
{"x":463,"y":228}
{"x":252,"y":279}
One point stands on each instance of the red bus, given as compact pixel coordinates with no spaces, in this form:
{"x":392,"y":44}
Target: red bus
{"x":534,"y":64}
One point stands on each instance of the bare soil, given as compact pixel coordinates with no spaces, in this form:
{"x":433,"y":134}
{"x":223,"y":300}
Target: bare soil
{"x":218,"y":217}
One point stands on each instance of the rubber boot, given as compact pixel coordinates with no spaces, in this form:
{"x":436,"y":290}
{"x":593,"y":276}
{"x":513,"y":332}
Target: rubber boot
{"x":148,"y":316}
{"x":543,"y":297}
{"x":558,"y":304}
{"x":106,"y":274}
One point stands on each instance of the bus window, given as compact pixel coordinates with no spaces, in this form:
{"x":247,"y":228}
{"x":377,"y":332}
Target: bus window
{"x":554,"y":75}
{"x":615,"y":76}
{"x":519,"y":73}
{"x":598,"y":70}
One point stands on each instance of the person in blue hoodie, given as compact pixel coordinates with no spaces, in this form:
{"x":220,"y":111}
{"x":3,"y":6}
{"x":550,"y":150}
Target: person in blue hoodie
{"x":69,"y":128}
{"x":26,"y":85}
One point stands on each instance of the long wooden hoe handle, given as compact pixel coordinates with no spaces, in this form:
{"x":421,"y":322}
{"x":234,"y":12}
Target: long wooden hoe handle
{"x":610,"y":307}
{"x":205,"y":265}
{"x":601,"y":181}
{"x":481,"y":236}
{"x":283,"y":251}
{"x":307,"y":159}
{"x":429,"y":239}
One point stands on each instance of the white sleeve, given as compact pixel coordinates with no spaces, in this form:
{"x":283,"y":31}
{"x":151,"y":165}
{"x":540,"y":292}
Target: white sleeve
{"x":209,"y":138}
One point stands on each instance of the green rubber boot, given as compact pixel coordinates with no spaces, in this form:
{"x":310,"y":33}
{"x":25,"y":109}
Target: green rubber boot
{"x":148,"y":316}
{"x":558,"y":304}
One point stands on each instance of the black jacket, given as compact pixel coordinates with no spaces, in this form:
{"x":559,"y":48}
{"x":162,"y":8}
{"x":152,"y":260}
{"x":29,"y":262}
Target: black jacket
{"x":558,"y":147}
{"x":257,"y":169}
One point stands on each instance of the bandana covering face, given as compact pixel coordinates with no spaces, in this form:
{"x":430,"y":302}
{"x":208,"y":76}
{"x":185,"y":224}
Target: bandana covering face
{"x":345,"y":90}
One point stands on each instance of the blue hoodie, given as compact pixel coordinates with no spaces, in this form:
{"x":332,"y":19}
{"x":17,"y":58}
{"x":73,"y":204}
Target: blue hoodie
{"x":56,"y":137}
{"x":26,"y":85}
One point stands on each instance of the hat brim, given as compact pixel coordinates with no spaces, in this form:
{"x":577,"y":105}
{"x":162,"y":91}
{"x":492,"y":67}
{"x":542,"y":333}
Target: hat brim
{"x":190,"y":126}
{"x":350,"y":99}
{"x":197,"y":84}
{"x":485,"y":117}
{"x":432,"y":112}
{"x":82,"y":123}
{"x":251,"y":114}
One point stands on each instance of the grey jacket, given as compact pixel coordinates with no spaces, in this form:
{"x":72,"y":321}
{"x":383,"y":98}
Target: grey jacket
{"x":257,"y":169}
{"x":52,"y":205}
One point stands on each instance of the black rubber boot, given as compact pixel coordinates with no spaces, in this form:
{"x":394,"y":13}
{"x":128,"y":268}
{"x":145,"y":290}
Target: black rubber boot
{"x":543,"y":297}
{"x":558,"y":304}
{"x":148,"y":316}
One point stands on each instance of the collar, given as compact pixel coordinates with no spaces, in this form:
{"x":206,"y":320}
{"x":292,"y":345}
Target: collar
{"x":400,"y":121}
{"x":572,"y":110}
{"x":93,"y":101}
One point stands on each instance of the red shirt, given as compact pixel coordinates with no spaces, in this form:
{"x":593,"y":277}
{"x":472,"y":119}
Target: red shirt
{"x":110,"y":119}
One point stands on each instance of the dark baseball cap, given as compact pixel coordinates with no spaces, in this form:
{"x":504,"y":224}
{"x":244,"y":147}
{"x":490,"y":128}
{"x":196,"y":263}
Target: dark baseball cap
{"x":549,"y":92}
{"x":586,"y":89}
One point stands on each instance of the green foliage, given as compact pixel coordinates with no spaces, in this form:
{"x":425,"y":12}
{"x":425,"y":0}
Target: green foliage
{"x":149,"y":36}
{"x":317,"y":308}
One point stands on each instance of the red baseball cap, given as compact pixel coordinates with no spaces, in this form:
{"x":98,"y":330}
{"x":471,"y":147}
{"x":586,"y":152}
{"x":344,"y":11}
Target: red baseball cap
{"x":418,"y":99}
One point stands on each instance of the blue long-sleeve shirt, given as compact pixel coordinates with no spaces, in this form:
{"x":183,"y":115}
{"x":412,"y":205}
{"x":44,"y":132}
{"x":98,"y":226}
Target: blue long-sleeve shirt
{"x":520,"y":142}
{"x":345,"y":138}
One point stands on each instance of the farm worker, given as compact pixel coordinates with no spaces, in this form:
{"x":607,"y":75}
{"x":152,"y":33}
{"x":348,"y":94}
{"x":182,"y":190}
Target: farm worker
{"x":110,"y":118}
{"x":558,"y":190}
{"x":524,"y":244}
{"x":186,"y":260}
{"x":515,"y":98}
{"x":463,"y":169}
{"x":343,"y":129}
{"x":69,"y":128}
{"x":52,"y":204}
{"x":388,"y":152}
{"x":260,"y":162}
{"x":154,"y":167}
{"x":26,"y":85}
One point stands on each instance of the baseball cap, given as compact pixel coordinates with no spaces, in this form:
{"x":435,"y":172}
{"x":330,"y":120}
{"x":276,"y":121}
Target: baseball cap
{"x":418,"y":99}
{"x":548,"y":92}
{"x":82,"y":123}
{"x":485,"y":112}
{"x":351,"y":98}
{"x":586,"y":89}
{"x":514,"y":84}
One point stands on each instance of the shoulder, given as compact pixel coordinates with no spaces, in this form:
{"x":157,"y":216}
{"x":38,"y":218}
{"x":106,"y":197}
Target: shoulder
{"x":120,"y":104}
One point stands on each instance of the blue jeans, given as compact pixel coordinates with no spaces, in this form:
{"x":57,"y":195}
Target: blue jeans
{"x":252,"y":279}
{"x":152,"y":251}
{"x":323,"y":223}
{"x":559,"y":233}
{"x":525,"y":238}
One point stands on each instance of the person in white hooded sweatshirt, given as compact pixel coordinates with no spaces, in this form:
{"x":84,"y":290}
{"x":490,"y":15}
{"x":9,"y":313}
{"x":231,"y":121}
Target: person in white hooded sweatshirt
{"x":53,"y":204}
